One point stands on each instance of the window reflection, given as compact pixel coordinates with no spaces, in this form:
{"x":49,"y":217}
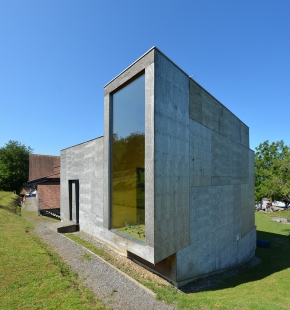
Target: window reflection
{"x":128,"y":160}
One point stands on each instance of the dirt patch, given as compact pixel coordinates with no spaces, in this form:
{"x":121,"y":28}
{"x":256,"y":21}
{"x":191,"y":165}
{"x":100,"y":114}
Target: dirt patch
{"x":279,"y":219}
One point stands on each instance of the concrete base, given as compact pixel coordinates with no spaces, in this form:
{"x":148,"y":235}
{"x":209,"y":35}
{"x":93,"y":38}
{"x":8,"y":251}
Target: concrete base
{"x":65,"y":227}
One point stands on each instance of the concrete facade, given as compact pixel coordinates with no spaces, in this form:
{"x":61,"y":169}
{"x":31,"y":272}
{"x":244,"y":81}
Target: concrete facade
{"x":84,"y":162}
{"x":199,"y":184}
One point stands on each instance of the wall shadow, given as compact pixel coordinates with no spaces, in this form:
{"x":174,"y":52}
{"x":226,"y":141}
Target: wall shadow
{"x":268,"y":261}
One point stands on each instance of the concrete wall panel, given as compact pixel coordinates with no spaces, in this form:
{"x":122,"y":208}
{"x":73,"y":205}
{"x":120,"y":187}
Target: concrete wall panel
{"x":221,"y":155}
{"x":214,"y":232}
{"x":149,"y":154}
{"x":247,"y":246}
{"x":200,"y":155}
{"x":245,"y":135}
{"x":171,"y":158}
{"x":208,"y":111}
{"x":230,"y":161}
{"x":221,"y":194}
{"x":64,"y":207}
{"x":248,"y":199}
{"x":106,"y":162}
{"x":139,"y":65}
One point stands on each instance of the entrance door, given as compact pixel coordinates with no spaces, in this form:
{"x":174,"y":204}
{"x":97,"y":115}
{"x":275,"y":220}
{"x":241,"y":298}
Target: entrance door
{"x":74,"y":201}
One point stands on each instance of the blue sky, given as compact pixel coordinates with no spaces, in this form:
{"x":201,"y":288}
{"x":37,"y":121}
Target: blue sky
{"x":56,"y":56}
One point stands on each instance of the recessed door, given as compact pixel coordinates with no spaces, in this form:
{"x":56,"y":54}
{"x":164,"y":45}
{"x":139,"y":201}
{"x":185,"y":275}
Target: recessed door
{"x":74,"y":201}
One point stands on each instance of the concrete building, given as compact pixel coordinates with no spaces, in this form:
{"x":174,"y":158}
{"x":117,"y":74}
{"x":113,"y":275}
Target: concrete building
{"x":171,"y":182}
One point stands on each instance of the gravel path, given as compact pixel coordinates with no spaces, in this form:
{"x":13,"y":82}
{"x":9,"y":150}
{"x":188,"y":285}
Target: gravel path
{"x":113,"y":287}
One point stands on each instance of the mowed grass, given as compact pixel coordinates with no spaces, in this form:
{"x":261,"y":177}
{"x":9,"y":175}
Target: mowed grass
{"x":32,"y":276}
{"x":265,"y":286}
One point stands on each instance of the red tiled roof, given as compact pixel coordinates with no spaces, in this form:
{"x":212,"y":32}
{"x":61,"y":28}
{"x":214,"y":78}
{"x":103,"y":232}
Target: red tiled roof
{"x":54,"y":176}
{"x":41,"y":166}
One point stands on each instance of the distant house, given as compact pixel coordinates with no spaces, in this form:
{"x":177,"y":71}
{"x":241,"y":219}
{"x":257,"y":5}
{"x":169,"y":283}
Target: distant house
{"x":26,"y":191}
{"x":171,"y":182}
{"x":44,"y":176}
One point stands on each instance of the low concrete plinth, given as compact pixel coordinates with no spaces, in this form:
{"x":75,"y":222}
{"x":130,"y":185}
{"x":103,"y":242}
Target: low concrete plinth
{"x":65,"y":227}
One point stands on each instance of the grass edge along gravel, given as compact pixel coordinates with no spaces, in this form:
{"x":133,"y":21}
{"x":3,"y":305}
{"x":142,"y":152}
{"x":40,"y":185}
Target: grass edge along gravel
{"x":33,"y":276}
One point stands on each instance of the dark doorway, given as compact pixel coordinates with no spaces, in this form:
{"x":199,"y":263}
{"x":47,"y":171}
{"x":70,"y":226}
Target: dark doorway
{"x":74,"y":200}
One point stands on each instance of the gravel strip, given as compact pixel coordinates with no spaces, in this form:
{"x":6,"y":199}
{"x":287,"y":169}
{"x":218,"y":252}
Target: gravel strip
{"x":115,"y":289}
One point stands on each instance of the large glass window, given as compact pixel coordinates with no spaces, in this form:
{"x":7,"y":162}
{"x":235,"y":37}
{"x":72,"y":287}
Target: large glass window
{"x":128,"y":160}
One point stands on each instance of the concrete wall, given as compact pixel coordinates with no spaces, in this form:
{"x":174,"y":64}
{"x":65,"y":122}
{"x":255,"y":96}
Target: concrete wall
{"x":222,"y":227}
{"x":171,"y":158}
{"x":207,"y":111}
{"x":84,"y":162}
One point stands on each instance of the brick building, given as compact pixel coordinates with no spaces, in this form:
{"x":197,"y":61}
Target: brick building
{"x":44,"y":176}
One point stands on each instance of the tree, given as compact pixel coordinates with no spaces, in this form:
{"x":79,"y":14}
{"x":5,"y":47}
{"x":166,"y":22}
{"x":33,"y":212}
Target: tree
{"x":128,"y":152}
{"x":14,"y":166}
{"x":272,"y":171}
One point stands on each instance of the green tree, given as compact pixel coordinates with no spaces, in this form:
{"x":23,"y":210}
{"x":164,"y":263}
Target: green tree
{"x":272,"y":171}
{"x":14,"y":166}
{"x":128,"y":152}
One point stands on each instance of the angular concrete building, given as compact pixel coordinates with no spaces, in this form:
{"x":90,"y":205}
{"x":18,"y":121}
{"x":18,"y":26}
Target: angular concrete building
{"x":171,"y":182}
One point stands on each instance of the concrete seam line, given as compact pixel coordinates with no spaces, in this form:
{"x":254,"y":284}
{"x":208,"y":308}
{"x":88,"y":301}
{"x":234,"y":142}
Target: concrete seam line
{"x":146,"y":289}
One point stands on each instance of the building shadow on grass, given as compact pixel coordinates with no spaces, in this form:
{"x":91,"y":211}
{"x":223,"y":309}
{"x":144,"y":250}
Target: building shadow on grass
{"x":267,"y":262}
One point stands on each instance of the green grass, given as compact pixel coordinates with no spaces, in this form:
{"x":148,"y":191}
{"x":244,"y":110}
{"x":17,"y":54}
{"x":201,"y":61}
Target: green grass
{"x":86,"y":257}
{"x":266,"y":286}
{"x":10,"y":202}
{"x":100,"y":252}
{"x":32,"y":276}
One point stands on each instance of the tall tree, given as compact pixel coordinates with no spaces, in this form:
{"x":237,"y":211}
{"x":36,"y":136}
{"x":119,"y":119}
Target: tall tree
{"x":272,"y":171}
{"x":14,"y":165}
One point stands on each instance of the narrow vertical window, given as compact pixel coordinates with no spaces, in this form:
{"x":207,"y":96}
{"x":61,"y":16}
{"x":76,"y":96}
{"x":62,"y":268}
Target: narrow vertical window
{"x":128,"y":160}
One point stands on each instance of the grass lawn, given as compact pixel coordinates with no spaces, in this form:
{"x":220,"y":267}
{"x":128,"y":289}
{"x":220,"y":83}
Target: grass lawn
{"x":31,"y":275}
{"x":266,"y":286}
